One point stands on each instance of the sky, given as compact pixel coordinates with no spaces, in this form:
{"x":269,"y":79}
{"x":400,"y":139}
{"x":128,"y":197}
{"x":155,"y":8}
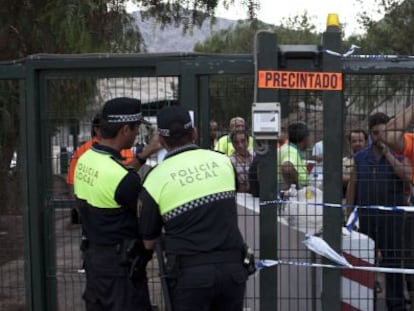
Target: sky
{"x":273,"y":12}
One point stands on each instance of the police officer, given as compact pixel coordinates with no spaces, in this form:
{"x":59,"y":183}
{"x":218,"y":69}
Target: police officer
{"x":191,"y":194}
{"x":106,"y":193}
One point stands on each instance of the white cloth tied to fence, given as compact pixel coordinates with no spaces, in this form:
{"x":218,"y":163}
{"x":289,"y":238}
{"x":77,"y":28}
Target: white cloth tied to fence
{"x":307,"y":218}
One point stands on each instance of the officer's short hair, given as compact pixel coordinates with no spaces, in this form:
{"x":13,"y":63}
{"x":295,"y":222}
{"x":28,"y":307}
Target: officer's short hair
{"x":96,"y":123}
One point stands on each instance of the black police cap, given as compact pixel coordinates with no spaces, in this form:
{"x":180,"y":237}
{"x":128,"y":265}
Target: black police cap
{"x":173,"y":121}
{"x":122,"y":110}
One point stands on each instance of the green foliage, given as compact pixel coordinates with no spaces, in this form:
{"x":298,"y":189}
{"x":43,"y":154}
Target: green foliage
{"x":66,"y":26}
{"x":240,"y":39}
{"x":391,"y":35}
{"x":298,"y":30}
{"x":233,"y":40}
{"x":73,"y":26}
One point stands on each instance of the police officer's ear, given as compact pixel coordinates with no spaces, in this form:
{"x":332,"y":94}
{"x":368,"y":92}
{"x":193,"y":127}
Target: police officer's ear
{"x":194,"y":134}
{"x":127,"y":128}
{"x":123,"y":130}
{"x":162,"y":142}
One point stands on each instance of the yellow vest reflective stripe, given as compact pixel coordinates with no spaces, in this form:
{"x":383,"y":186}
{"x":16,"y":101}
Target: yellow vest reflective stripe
{"x":189,"y":176}
{"x":96,"y":179}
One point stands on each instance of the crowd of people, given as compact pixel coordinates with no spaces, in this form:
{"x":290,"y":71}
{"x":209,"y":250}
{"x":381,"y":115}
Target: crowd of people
{"x":378,"y":170}
{"x":198,"y":226}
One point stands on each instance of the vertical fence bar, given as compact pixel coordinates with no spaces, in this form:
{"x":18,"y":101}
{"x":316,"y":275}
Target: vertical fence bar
{"x":332,"y":168}
{"x":48,"y":212}
{"x":266,"y":59}
{"x":204,"y":109}
{"x":188,"y":89}
{"x":34,"y":238}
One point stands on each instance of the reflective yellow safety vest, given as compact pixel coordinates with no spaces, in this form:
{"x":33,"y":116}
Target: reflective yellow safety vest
{"x":97,"y":176}
{"x":190,"y":179}
{"x":224,"y":145}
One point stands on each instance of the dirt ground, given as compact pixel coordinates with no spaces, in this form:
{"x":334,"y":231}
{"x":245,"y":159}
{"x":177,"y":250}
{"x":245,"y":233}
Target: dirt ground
{"x":11,"y":263}
{"x":70,"y":282}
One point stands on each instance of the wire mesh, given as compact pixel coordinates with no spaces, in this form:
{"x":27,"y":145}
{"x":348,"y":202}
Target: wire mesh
{"x":68,"y":124}
{"x":12,"y":283}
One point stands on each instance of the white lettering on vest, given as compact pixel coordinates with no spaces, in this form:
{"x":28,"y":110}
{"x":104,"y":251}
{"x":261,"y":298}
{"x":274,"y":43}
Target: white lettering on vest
{"x":86,"y":174}
{"x":195,"y":173}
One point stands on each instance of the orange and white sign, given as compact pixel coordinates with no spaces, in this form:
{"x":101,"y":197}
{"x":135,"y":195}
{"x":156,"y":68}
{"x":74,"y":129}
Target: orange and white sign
{"x":300,"y":80}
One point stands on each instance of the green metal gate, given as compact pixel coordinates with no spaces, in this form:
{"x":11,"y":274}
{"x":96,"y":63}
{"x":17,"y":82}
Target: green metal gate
{"x":57,"y":96}
{"x":61,"y":96}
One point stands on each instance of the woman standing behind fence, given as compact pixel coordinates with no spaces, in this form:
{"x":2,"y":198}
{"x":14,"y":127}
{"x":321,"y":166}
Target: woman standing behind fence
{"x":241,"y":159}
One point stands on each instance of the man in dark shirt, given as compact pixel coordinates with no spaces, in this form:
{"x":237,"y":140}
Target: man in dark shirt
{"x":378,"y":178}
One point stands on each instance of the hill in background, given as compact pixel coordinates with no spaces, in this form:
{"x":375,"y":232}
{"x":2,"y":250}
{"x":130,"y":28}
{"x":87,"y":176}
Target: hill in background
{"x":172,"y":39}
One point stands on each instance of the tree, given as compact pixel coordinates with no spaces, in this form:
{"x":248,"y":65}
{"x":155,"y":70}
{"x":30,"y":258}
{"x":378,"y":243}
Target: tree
{"x":298,"y":29}
{"x":391,"y":35}
{"x":294,"y":30}
{"x":190,"y":13}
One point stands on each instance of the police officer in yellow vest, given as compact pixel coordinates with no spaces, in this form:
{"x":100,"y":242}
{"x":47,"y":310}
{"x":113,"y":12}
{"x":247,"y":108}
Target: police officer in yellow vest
{"x":107,"y":194}
{"x":191,"y":194}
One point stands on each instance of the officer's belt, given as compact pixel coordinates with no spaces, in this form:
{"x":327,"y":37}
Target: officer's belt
{"x":105,"y":211}
{"x":185,"y":261}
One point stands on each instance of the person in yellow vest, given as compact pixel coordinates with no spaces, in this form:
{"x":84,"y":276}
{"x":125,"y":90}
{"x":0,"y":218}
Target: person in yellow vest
{"x":191,"y":195}
{"x":291,"y":158}
{"x":128,"y":158}
{"x":106,"y":192}
{"x":224,"y":144}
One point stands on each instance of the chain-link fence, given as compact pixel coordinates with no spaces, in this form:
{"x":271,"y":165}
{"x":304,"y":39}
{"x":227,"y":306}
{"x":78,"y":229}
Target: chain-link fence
{"x":12,"y":282}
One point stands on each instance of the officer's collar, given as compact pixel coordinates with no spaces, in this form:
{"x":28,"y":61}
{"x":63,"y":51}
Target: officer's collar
{"x":181,"y":149}
{"x":107,"y":150}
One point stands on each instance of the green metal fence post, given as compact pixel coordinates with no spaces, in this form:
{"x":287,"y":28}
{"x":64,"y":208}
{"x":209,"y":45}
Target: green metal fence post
{"x":48,"y":210}
{"x":332,"y":184}
{"x":266,"y":59}
{"x":34,"y":238}
{"x":188,"y":89}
